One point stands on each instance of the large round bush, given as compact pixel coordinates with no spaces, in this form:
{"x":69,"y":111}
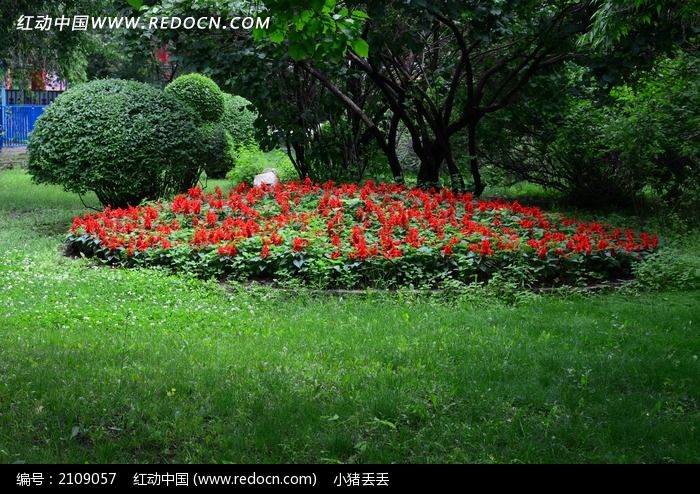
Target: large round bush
{"x":201,"y":94}
{"x":239,"y":120}
{"x":124,"y":140}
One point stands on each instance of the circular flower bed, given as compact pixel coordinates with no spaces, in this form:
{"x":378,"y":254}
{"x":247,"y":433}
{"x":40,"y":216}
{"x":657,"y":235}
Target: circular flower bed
{"x":353,"y":236}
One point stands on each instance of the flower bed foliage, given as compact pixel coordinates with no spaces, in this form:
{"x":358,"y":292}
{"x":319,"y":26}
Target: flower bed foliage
{"x":358,"y":236}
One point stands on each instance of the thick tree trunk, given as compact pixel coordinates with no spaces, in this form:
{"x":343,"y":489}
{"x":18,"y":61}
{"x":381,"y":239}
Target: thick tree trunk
{"x":430,"y":162}
{"x":298,"y":159}
{"x":390,"y":152}
{"x":456,"y":178}
{"x":428,"y":174}
{"x":474,"y":160}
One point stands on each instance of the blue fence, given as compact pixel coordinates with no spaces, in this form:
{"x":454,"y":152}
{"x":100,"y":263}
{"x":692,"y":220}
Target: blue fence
{"x":17,"y":120}
{"x":30,"y":97}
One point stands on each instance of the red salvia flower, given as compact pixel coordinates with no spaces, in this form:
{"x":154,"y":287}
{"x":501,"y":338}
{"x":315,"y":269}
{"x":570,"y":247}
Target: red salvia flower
{"x":298,"y":244}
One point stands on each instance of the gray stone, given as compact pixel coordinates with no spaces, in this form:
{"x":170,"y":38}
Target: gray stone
{"x":267,"y":177}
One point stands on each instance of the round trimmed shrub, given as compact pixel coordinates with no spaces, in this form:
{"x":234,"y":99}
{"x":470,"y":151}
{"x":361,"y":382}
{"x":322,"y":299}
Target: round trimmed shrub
{"x":201,"y":94}
{"x":218,"y":150}
{"x":126,"y":141}
{"x":239,"y":120}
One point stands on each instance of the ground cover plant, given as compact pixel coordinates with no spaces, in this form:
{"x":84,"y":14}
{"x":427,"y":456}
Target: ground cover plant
{"x":356,"y":236}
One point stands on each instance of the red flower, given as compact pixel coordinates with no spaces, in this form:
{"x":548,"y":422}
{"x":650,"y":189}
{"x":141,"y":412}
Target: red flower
{"x":447,"y":249}
{"x":335,"y":240}
{"x":413,"y":239}
{"x":389,"y":222}
{"x":227,"y":250}
{"x":359,"y":244}
{"x":485,"y":249}
{"x":298,"y":244}
{"x":195,"y":193}
{"x":212,"y":218}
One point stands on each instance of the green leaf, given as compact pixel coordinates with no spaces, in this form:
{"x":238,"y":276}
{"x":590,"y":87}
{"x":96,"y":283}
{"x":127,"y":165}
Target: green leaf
{"x":360,"y":47}
{"x":390,"y":425}
{"x":137,"y":4}
{"x":359,"y":15}
{"x":297,"y":52}
{"x":329,"y":5}
{"x":277,"y":37}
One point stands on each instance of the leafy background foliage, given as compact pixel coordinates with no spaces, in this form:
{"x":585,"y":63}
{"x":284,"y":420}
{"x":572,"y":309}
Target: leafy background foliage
{"x":219,"y":149}
{"x":251,"y":161}
{"x":239,"y":120}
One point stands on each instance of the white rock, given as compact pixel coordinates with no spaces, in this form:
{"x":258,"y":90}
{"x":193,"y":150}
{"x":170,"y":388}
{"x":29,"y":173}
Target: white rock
{"x":267,"y":177}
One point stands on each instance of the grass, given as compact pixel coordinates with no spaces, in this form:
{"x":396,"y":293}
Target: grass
{"x":104,"y":365}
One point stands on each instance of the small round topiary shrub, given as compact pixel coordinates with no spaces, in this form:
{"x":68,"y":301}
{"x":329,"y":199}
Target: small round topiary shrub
{"x":201,"y":94}
{"x":218,"y":150}
{"x":239,"y":120}
{"x":126,"y":141}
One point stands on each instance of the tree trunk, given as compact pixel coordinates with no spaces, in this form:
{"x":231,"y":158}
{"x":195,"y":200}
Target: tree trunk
{"x":429,"y":170}
{"x":390,"y":152}
{"x":473,"y":159}
{"x":297,"y":158}
{"x":428,"y":174}
{"x":456,"y":178}
{"x":395,"y":166}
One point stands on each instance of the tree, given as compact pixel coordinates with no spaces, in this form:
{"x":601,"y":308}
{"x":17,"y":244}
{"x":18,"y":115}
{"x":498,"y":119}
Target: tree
{"x":434,"y":69}
{"x":440,"y":66}
{"x":571,"y":133}
{"x":61,"y":51}
{"x":295,"y":110}
{"x":572,"y":130}
{"x":630,"y":35}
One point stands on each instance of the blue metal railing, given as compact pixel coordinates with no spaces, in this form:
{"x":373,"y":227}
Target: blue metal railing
{"x":17,"y":121}
{"x":30,"y":97}
{"x":3,"y":102}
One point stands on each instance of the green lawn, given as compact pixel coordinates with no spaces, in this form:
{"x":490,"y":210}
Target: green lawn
{"x":104,"y":365}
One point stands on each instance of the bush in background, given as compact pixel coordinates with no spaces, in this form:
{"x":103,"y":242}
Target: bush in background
{"x":239,"y":120}
{"x":603,"y":146}
{"x":126,"y":141}
{"x":205,"y":98}
{"x":218,"y":150}
{"x":675,"y":265}
{"x":250,"y":161}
